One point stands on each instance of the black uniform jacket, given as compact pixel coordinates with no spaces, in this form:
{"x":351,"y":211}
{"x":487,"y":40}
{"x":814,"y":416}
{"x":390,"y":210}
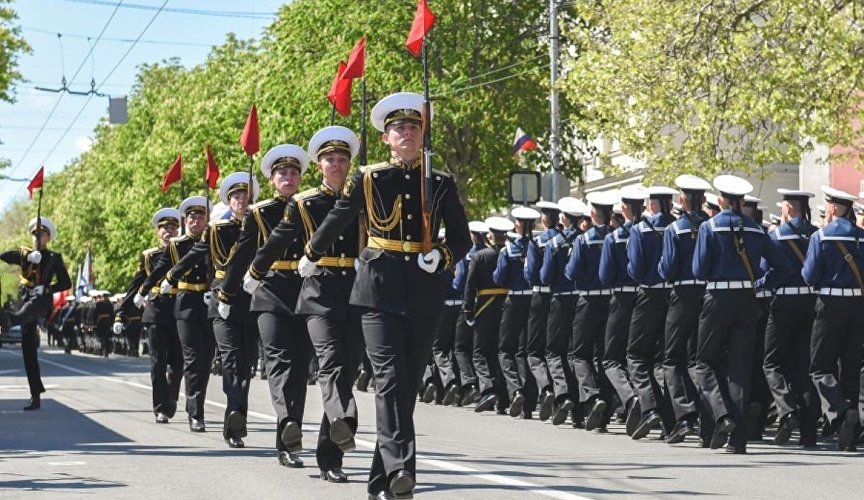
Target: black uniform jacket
{"x":160,"y":309}
{"x":50,"y":273}
{"x":480,"y":270}
{"x":191,"y":285}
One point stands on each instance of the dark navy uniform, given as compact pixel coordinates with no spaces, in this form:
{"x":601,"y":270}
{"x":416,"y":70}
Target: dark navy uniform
{"x":463,"y":343}
{"x":539,"y":312}
{"x":443,"y":370}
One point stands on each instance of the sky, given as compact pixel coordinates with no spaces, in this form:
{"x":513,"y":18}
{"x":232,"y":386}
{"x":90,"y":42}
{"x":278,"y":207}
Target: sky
{"x":187,"y":36}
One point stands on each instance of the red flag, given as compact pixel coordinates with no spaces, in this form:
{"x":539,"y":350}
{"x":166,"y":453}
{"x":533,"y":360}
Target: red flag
{"x":212,"y":174}
{"x":424,"y":19}
{"x":356,"y":66}
{"x":173,"y":174}
{"x":36,"y":183}
{"x":340,"y":91}
{"x":250,"y":138}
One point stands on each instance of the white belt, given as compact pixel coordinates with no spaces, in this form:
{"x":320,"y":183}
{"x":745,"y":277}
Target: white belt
{"x":453,"y":302}
{"x":658,"y":285}
{"x":688,"y":282}
{"x":840,"y":292}
{"x":763,"y":294}
{"x":541,"y":289}
{"x":626,"y":289}
{"x":591,"y":293}
{"x":568,"y":292}
{"x":728,"y":285}
{"x":520,"y":292}
{"x":794,"y":290}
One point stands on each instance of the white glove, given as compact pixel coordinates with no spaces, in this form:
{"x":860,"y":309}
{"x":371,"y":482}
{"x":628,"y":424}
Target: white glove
{"x":429,"y":262}
{"x":250,"y":284}
{"x":470,"y":322}
{"x":34,"y":257}
{"x":117,"y":328}
{"x":165,"y":287}
{"x":306,"y":267}
{"x":39,"y":289}
{"x":357,"y":265}
{"x":224,"y":310}
{"x":208,"y":296}
{"x":139,"y":300}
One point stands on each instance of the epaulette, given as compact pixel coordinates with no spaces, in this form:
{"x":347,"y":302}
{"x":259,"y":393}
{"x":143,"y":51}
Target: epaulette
{"x":305,"y":194}
{"x":440,"y":172}
{"x":375,"y":166}
{"x":151,"y":251}
{"x":178,"y":239}
{"x":220,"y":222}
{"x":265,"y":203}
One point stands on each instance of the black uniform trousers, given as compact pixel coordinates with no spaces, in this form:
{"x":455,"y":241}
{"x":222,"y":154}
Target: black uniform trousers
{"x":615,"y":351}
{"x":562,"y":307}
{"x":727,"y":326}
{"x":514,"y":320}
{"x":237,"y":343}
{"x":838,"y":334}
{"x":103,"y":332}
{"x":536,"y":341}
{"x":443,"y":369}
{"x":287,"y":350}
{"x":166,"y":366}
{"x":463,"y":350}
{"x":787,"y":360}
{"x":529,"y":384}
{"x":681,"y":338}
{"x":70,"y":340}
{"x":27,"y":317}
{"x":338,"y":342}
{"x":647,"y":335}
{"x":589,"y":326}
{"x":199,"y":346}
{"x":761,"y":393}
{"x":398,"y":346}
{"x":489,"y":379}
{"x":133,"y":338}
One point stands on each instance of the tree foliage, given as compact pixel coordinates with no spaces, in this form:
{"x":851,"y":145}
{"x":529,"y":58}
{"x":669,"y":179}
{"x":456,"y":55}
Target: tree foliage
{"x":12,"y":44}
{"x":709,"y":85}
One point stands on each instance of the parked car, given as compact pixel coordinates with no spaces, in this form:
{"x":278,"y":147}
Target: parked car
{"x":13,"y":336}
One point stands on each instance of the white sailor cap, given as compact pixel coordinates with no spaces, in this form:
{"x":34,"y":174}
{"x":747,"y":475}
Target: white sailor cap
{"x":751,"y":201}
{"x":792,"y":194}
{"x":732,"y":186}
{"x":284,"y":155}
{"x":219,"y":211}
{"x":167,"y":215}
{"x":689,"y":182}
{"x":93,"y":293}
{"x":616,"y":209}
{"x":513,"y":236}
{"x":499,"y":224}
{"x":602,"y":198}
{"x":398,"y":107}
{"x":547,"y":206}
{"x":193,"y":204}
{"x":821,"y":209}
{"x":660,"y":192}
{"x":333,"y":138}
{"x":524,"y":213}
{"x":573,"y":206}
{"x":859,"y":208}
{"x":775,"y":219}
{"x":712,"y":201}
{"x":47,"y":225}
{"x":238,"y":181}
{"x":833,"y":195}
{"x":633,"y":193}
{"x":70,"y":298}
{"x":476,"y":226}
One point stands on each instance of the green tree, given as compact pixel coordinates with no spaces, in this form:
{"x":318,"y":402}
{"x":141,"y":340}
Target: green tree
{"x":704,"y":86}
{"x":12,"y":45}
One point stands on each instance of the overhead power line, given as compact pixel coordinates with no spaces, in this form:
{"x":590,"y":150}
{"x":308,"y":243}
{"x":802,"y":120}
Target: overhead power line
{"x":119,"y":40}
{"x":177,"y":10}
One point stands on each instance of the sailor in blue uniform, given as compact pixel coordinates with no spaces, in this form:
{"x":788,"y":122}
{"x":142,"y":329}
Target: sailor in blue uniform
{"x":463,"y":344}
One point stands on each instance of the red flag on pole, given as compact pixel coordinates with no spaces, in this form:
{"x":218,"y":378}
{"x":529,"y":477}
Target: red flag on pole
{"x":212,"y":174}
{"x":250,"y":138}
{"x":173,"y":174}
{"x":424,"y":19}
{"x":356,"y":66}
{"x":340,"y":91}
{"x":36,"y":183}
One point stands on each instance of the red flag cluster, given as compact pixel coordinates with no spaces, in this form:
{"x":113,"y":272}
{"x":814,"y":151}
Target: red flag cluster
{"x":424,"y":19}
{"x":36,"y":182}
{"x":340,"y":90}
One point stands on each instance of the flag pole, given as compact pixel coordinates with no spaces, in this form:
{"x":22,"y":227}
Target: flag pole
{"x":363,"y":120}
{"x":426,"y":178}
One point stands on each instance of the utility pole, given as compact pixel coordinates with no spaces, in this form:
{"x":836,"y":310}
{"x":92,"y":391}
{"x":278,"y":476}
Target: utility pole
{"x":554,"y":146}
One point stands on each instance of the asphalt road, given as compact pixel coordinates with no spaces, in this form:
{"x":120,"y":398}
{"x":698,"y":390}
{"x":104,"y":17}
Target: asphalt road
{"x":95,"y":437}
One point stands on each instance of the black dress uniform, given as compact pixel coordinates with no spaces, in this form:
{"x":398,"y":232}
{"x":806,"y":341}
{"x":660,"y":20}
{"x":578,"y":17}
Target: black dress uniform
{"x":68,"y":323}
{"x":50,"y":273}
{"x":538,"y":314}
{"x":104,"y":315}
{"x":333,"y":325}
{"x":166,"y":354}
{"x":88,"y":326}
{"x":443,"y":370}
{"x":283,"y":334}
{"x":400,"y":301}
{"x":193,"y":326}
{"x":463,"y":342}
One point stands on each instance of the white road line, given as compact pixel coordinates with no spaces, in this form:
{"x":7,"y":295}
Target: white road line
{"x":369,"y":445}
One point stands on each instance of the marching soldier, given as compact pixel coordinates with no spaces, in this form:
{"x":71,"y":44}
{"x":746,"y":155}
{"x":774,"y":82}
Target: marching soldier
{"x":104,"y":312}
{"x":728,"y":249}
{"x":42,"y":274}
{"x":400,"y":299}
{"x":190,"y":311}
{"x":463,"y":344}
{"x":274,"y":299}
{"x":166,"y":357}
{"x":833,"y":265}
{"x":68,"y":323}
{"x":333,"y":325}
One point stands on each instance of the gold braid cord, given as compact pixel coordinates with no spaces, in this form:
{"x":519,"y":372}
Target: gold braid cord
{"x":386,"y":224}
{"x":217,"y":250}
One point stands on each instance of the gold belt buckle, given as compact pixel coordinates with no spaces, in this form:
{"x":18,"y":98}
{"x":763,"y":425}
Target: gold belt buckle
{"x":406,"y":246}
{"x":341,"y":261}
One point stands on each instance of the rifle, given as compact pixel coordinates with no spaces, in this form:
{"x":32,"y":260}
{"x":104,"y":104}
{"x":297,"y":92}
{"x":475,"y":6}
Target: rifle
{"x":426,"y":159}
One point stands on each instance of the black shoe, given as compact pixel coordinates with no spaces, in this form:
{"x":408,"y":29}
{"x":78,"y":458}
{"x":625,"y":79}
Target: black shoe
{"x":196,"y":425}
{"x":649,"y":420}
{"x":736,"y":450}
{"x":172,"y":408}
{"x":595,"y":414}
{"x":486,"y":403}
{"x":515,"y":408}
{"x":682,"y":429}
{"x":848,"y":432}
{"x":788,"y":424}
{"x":381,"y":495}
{"x":725,"y":426}
{"x":634,"y":414}
{"x":234,"y":442}
{"x":547,"y":405}
{"x":526,"y":415}
{"x":34,"y":404}
{"x":292,"y":437}
{"x":451,"y":395}
{"x":334,"y":475}
{"x":235,"y":424}
{"x":340,"y":433}
{"x":402,"y":485}
{"x":560,"y":415}
{"x":363,"y":381}
{"x":290,"y":460}
{"x":161,"y":418}
{"x":470,"y":395}
{"x":430,"y":392}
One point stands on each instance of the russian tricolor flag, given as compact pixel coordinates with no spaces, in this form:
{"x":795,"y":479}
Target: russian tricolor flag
{"x":522,"y":142}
